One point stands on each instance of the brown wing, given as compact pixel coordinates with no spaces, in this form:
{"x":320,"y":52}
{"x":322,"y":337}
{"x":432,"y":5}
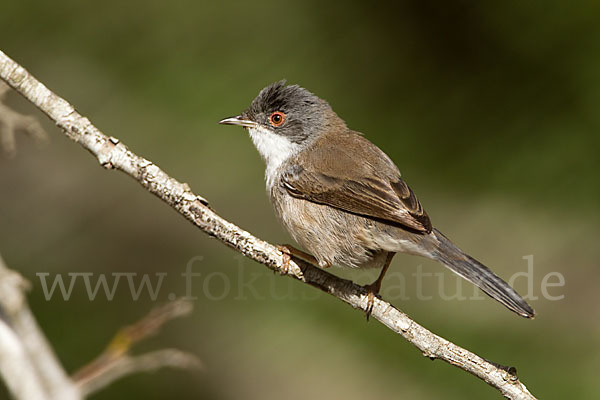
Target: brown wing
{"x":366,"y":183}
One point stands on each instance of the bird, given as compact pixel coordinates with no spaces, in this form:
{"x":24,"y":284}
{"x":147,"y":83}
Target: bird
{"x":343,"y":199}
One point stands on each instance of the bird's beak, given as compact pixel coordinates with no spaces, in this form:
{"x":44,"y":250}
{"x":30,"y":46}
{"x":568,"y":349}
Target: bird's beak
{"x":246,"y":123}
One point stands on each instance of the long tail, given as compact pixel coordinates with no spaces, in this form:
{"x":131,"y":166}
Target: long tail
{"x":477,"y":273}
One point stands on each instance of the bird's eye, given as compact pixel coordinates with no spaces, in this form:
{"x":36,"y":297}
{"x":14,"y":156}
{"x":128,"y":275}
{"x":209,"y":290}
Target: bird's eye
{"x":277,"y":118}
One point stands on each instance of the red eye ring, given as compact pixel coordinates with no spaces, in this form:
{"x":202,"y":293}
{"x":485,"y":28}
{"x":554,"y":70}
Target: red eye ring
{"x":277,"y":118}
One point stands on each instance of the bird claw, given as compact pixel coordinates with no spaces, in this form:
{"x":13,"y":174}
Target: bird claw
{"x":289,"y":251}
{"x":287,"y":257}
{"x":372,"y":293}
{"x":370,"y":304}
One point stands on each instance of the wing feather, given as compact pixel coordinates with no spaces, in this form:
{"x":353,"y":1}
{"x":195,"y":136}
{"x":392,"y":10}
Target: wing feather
{"x":369,"y":185}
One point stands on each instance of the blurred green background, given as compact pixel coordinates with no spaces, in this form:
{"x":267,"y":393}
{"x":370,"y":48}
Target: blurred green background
{"x":489,"y":109}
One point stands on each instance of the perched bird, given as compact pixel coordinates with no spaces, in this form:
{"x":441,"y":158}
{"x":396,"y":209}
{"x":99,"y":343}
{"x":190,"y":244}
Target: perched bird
{"x":342,"y":198}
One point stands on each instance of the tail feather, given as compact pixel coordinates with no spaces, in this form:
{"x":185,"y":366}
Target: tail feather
{"x":480,"y":275}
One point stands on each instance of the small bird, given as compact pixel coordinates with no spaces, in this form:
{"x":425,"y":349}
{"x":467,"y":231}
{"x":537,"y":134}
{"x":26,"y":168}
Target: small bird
{"x":342,"y":198}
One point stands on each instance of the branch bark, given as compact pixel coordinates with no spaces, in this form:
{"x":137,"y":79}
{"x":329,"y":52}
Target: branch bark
{"x":111,"y":153}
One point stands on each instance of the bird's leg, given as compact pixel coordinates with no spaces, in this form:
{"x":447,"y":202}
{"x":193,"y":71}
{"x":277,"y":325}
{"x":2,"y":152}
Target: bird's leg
{"x":374,"y":288}
{"x":289,"y":251}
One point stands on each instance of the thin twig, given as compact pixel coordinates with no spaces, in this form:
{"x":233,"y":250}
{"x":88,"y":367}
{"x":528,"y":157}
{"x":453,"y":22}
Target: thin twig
{"x":128,"y":365}
{"x":115,"y":362}
{"x":12,"y":122}
{"x":111,"y":153}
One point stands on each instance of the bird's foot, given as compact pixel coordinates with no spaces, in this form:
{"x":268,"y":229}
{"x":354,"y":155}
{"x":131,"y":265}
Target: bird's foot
{"x":374,"y":288}
{"x":289,"y":251}
{"x":287,"y":256}
{"x":372,"y":293}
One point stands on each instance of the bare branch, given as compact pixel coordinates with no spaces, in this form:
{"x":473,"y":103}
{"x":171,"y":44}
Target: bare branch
{"x":113,"y":154}
{"x":27,"y":361}
{"x":127,"y":365}
{"x":16,"y":367}
{"x":12,"y":122}
{"x":115,"y":362}
{"x":32,"y":371}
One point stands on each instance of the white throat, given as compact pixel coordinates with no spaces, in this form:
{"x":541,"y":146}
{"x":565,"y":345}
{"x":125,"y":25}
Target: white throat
{"x":274,"y":149}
